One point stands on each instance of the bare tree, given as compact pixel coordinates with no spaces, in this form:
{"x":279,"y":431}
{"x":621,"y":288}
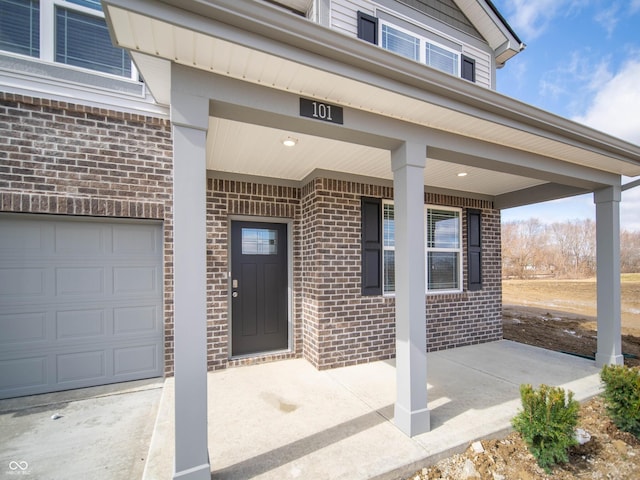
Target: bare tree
{"x":574,"y":247}
{"x":523,"y":248}
{"x":630,"y":252}
{"x":563,"y":249}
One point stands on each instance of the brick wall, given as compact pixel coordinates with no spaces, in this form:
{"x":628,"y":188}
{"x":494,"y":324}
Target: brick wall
{"x":62,"y":158}
{"x":344,"y":328}
{"x":227,"y":198}
{"x":341,"y":327}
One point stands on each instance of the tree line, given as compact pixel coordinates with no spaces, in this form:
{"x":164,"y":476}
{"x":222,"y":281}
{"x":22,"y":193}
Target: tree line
{"x":532,"y":249}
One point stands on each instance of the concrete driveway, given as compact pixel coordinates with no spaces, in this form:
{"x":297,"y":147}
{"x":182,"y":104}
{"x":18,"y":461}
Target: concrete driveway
{"x":101,"y":433}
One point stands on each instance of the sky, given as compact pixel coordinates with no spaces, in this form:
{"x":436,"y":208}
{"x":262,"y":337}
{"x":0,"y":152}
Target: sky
{"x":582,"y":62}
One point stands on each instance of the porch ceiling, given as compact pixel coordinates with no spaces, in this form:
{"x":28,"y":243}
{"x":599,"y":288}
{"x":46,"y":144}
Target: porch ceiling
{"x":264,"y":45}
{"x":225,"y":153}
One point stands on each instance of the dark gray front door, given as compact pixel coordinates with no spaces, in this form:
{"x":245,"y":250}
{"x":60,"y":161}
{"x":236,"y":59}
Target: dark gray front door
{"x":259,"y":284}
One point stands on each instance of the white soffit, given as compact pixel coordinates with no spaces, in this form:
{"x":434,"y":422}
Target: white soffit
{"x":484,"y":22}
{"x":301,"y":6}
{"x":187,"y":47}
{"x":264,"y":155}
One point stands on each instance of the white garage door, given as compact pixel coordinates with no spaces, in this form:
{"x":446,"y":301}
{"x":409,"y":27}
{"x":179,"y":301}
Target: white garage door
{"x":80,"y":303}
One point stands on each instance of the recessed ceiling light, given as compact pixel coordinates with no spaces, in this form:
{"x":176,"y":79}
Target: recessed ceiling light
{"x":462,"y":174}
{"x":289,"y":141}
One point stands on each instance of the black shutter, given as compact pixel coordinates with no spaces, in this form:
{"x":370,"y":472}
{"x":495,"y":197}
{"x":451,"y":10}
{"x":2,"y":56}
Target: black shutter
{"x":371,"y":246}
{"x":468,"y":68}
{"x":368,"y":28}
{"x":474,"y":249}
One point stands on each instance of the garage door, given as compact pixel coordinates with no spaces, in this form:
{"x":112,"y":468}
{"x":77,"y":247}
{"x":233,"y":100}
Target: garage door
{"x":80,"y":303}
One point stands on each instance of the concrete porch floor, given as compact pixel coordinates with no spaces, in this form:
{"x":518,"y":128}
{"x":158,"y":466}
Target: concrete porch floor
{"x":286,"y":420}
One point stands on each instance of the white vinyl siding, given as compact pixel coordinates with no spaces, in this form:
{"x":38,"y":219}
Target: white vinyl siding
{"x":483,"y":64}
{"x":344,"y":18}
{"x":344,"y":15}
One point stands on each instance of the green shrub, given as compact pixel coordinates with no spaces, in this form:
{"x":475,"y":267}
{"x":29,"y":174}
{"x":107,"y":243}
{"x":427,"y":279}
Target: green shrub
{"x":547,"y":423}
{"x":622,"y":396}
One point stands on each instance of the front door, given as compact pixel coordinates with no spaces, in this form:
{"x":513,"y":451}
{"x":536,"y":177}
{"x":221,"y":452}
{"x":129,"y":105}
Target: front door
{"x":259,"y":283}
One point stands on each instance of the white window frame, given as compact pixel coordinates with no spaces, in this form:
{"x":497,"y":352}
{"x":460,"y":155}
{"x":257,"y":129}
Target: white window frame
{"x":387,"y":248}
{"x":423,"y":41}
{"x":48,"y":35}
{"x":459,"y":250}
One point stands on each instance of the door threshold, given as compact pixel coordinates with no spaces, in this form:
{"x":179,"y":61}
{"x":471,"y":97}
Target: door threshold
{"x":261,"y":354}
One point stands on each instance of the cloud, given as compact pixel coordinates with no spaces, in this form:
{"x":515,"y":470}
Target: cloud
{"x":531,"y":18}
{"x":608,"y":18}
{"x":615,"y":105}
{"x":613,"y":109}
{"x":574,"y":80}
{"x":634,"y":7}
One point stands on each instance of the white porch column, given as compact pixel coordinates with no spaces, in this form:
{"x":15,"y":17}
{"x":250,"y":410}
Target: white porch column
{"x":190,"y":116}
{"x":411,"y":414}
{"x":608,"y":276}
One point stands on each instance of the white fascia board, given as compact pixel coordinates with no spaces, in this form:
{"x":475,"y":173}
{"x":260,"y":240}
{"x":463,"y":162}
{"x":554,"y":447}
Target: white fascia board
{"x":156,"y":73}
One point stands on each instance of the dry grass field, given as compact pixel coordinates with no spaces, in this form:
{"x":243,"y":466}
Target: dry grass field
{"x":577,"y":297}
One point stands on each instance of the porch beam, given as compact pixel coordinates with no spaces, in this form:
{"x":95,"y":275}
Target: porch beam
{"x":411,"y":414}
{"x":189,"y":116}
{"x":537,"y":194}
{"x":609,"y":344}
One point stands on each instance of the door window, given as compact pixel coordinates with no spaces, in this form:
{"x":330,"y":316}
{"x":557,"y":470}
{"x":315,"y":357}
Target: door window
{"x":259,"y":241}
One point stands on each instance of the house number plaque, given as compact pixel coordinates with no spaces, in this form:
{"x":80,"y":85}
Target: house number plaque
{"x":320,"y":111}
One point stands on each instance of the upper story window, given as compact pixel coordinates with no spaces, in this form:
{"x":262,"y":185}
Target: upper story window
{"x":414,"y":46}
{"x":72,"y":32}
{"x":418,"y":48}
{"x":20,"y":27}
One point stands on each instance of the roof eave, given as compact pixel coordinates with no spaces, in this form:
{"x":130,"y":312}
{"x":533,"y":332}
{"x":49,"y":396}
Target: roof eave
{"x":390,"y":70}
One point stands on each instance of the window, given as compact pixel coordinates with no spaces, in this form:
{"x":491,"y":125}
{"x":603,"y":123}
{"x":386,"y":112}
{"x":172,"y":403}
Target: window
{"x":388,"y":249}
{"x":418,"y":48}
{"x":72,"y":32}
{"x":401,"y":42}
{"x":20,"y":27}
{"x":441,"y":58}
{"x":83,"y":40}
{"x":414,"y":46}
{"x":444,"y":252}
{"x":259,"y":241}
{"x":443,"y":249}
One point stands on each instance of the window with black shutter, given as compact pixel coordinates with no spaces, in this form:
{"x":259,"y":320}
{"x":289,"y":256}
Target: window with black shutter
{"x":468,"y":70}
{"x":474,"y":249}
{"x":368,"y":28}
{"x":371,"y":246}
